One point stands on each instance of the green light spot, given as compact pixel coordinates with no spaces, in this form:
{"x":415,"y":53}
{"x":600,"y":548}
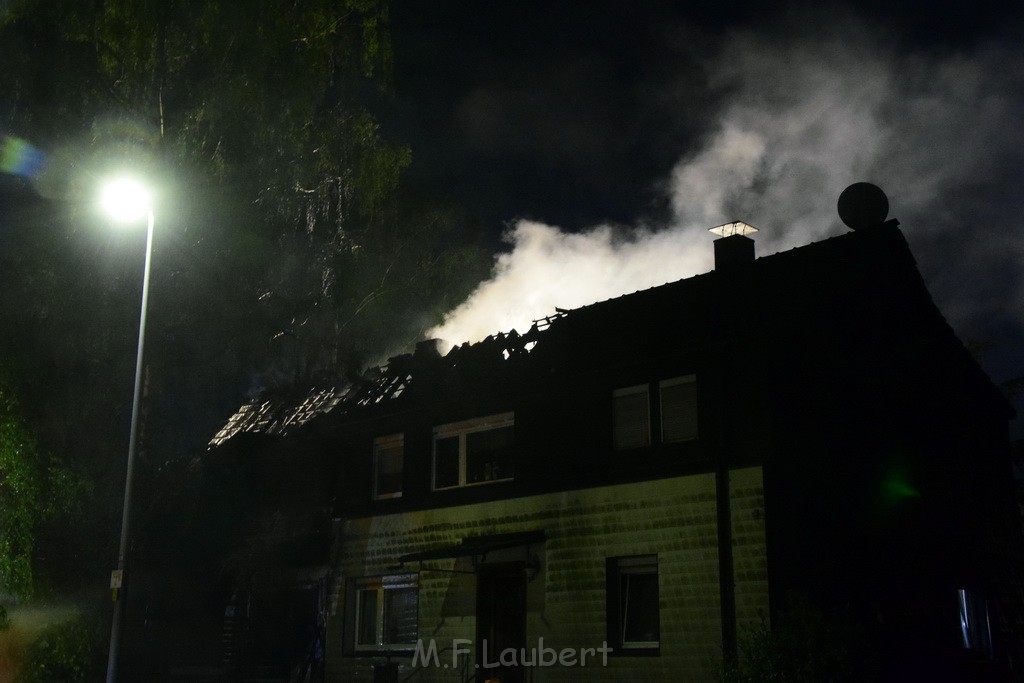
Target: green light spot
{"x":896,"y":487}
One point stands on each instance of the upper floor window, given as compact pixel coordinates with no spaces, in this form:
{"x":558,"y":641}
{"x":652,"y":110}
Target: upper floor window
{"x":678,"y":397}
{"x":383,"y":612}
{"x":388,"y":452}
{"x":631,"y":417}
{"x":676,"y":410}
{"x":474,"y":451}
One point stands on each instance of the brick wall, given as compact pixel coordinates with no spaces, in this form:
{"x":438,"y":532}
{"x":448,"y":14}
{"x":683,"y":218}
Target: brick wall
{"x":750,"y":568}
{"x":673,"y":518}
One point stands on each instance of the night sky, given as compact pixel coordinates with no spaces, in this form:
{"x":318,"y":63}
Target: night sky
{"x":602,"y":139}
{"x":575,"y":112}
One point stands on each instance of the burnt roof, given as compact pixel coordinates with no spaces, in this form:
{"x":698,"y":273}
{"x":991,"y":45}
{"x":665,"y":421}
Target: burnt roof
{"x":281,"y":414}
{"x":843,"y":280}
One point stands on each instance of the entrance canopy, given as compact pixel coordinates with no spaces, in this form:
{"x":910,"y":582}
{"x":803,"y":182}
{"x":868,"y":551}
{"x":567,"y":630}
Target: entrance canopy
{"x":476,"y":546}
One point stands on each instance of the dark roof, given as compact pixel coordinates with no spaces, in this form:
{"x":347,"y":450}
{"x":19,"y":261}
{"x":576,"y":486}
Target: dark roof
{"x":846,"y":279}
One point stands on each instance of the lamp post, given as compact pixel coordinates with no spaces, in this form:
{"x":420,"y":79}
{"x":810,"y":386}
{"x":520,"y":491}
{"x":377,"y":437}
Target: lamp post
{"x":126,"y":201}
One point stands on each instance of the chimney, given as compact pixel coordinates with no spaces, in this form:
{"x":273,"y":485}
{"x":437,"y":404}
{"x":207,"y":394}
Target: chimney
{"x":733,"y":249}
{"x":428,"y":348}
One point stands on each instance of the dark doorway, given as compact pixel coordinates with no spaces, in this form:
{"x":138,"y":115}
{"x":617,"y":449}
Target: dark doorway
{"x":500,"y":620}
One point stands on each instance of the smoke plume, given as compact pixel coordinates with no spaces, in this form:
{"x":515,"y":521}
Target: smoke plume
{"x":807,"y":113}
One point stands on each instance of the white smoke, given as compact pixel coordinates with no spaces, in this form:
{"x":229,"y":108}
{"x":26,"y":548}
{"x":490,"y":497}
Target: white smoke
{"x":549,"y":269}
{"x":807,"y":116}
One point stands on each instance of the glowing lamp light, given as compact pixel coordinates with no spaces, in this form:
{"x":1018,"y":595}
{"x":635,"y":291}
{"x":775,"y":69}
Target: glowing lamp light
{"x":126,"y":200}
{"x":734,"y":228}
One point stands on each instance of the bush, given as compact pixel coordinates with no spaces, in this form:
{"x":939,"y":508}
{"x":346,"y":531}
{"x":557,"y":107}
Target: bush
{"x":68,"y":652}
{"x":5,"y":621}
{"x":808,"y":644}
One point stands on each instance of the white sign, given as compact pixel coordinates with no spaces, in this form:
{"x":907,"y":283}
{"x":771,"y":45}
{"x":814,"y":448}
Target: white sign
{"x":116,"y":577}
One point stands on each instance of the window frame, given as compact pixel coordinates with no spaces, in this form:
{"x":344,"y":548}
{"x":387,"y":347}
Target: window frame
{"x":461,"y":430}
{"x":674,"y":382}
{"x":380,"y":443}
{"x":379,"y":586}
{"x":653,"y":414}
{"x":975,"y":622}
{"x":615,"y":569}
{"x":635,"y":389}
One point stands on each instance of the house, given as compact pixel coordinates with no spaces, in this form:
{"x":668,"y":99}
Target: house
{"x":629,"y":490}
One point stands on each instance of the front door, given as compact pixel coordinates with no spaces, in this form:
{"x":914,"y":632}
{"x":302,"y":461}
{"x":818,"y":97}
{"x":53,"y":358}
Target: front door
{"x":500,"y":620}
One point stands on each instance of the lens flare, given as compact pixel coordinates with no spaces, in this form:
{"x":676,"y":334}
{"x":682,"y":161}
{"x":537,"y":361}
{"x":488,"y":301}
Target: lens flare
{"x":18,"y":157}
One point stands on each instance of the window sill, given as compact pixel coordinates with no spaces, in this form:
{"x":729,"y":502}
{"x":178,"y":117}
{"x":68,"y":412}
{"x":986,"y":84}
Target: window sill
{"x":634,"y":651}
{"x":460,"y":487}
{"x":383,"y":651}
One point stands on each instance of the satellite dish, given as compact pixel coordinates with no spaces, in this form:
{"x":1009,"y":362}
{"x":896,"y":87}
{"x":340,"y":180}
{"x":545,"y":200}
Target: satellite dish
{"x":863,"y":205}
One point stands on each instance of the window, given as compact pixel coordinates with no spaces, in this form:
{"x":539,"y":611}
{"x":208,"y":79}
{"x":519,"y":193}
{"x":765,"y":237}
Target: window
{"x":675,"y":412}
{"x":474,"y":451}
{"x":678,"y":408}
{"x":383,"y":612}
{"x":634,"y":621}
{"x":387,"y":466}
{"x":974,"y":626}
{"x":631,"y":421}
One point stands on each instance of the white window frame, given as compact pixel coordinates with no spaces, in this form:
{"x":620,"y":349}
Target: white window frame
{"x":380,"y":443}
{"x":460,"y":430}
{"x":639,"y":565}
{"x":379,"y":585}
{"x":673,"y":382}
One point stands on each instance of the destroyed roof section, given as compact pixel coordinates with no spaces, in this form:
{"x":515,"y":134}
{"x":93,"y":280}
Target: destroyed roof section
{"x":277,"y":415}
{"x":282,"y":414}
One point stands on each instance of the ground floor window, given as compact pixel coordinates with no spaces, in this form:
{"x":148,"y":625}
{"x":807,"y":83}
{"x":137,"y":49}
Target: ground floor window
{"x":634,"y":621}
{"x":974,"y":627}
{"x":382,"y":613}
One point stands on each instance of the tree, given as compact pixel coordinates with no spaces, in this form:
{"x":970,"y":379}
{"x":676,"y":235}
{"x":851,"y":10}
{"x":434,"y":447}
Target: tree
{"x":284,"y":252}
{"x":33,"y":489}
{"x":19,"y":496}
{"x":286,"y":249}
{"x":257,"y":118}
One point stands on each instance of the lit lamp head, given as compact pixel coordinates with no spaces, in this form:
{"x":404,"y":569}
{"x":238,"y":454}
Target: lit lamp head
{"x":126,"y":200}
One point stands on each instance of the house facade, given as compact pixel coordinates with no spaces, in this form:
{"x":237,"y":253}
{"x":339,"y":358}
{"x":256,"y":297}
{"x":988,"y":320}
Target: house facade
{"x":631,"y":489}
{"x":543,"y":602}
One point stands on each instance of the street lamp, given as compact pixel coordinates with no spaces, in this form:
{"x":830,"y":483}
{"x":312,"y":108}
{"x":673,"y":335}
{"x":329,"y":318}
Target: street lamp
{"x":127,"y":201}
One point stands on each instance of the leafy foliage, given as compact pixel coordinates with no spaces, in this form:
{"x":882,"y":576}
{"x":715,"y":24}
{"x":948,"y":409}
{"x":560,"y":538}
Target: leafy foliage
{"x":286,"y":249}
{"x":32,"y":490}
{"x":19,"y":496}
{"x":257,"y":121}
{"x":70,"y":652}
{"x":807,"y":645}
